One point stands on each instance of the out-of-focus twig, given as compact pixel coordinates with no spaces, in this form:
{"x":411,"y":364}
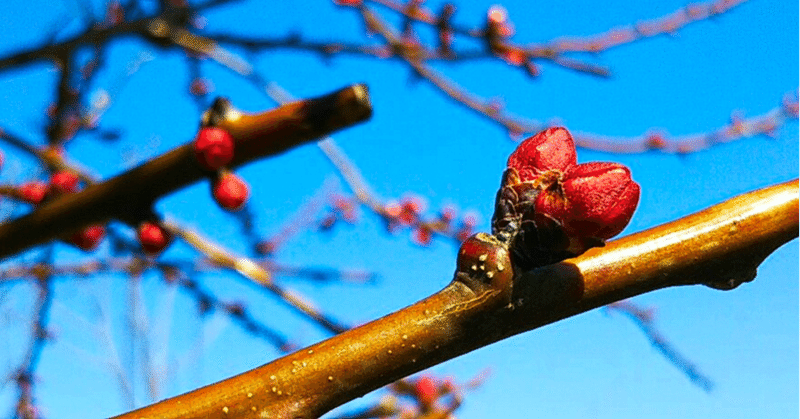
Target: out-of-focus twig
{"x":644,"y":320}
{"x":256,"y":274}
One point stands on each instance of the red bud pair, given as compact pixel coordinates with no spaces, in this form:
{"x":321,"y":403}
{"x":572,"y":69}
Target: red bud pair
{"x":567,"y":206}
{"x":213,"y":149}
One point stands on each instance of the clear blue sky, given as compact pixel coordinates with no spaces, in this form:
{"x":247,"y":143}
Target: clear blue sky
{"x":418,"y":142}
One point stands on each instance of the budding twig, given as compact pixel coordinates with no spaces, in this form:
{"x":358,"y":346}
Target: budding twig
{"x":720,"y":246}
{"x":258,"y":275}
{"x":644,"y":320}
{"x":256,"y":136}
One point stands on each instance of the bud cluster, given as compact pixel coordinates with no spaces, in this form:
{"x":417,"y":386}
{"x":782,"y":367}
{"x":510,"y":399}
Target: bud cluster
{"x":549,"y":207}
{"x":213,"y":149}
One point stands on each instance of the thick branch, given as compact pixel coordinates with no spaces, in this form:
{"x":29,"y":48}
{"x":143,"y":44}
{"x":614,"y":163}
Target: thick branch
{"x":721,"y":245}
{"x":130,"y":195}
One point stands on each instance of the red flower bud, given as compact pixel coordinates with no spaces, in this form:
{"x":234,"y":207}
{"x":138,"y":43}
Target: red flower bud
{"x":422,"y":236}
{"x":153,"y":237}
{"x":551,"y":149}
{"x":549,"y":207}
{"x":33,"y":192}
{"x":594,"y":201}
{"x":230,"y":192}
{"x":426,"y":391}
{"x":213,"y":148}
{"x":64,"y":182}
{"x":88,"y":238}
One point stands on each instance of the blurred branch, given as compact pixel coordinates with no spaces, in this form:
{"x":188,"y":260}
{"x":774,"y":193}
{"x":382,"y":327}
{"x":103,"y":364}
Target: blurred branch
{"x":738,"y":128}
{"x":665,"y":25}
{"x":719,"y":247}
{"x":644,"y":320}
{"x":255,"y":135}
{"x":25,"y":374}
{"x":257,"y":275}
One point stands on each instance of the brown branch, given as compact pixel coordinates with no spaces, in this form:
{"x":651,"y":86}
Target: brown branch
{"x":720,"y":246}
{"x":738,"y":128}
{"x":665,"y":25}
{"x":26,"y":407}
{"x":255,"y":135}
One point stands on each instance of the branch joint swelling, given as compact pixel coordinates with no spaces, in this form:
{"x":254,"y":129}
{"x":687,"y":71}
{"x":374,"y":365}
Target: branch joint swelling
{"x":484,"y":265}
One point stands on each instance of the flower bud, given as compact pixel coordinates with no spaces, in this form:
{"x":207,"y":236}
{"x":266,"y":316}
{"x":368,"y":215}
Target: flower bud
{"x":33,"y":192}
{"x":549,"y":207}
{"x":152,"y":237}
{"x":88,"y":238}
{"x":426,"y":390}
{"x":603,"y":198}
{"x":64,"y":182}
{"x":230,"y":192}
{"x":213,"y":148}
{"x":485,"y":259}
{"x":551,"y":149}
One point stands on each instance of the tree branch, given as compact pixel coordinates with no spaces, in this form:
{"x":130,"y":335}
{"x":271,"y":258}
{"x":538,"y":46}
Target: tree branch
{"x":720,"y":247}
{"x":129,"y":195}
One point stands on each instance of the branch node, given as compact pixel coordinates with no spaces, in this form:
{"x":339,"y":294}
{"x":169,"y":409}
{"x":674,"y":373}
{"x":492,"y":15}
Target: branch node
{"x":484,"y":264}
{"x":219,"y":111}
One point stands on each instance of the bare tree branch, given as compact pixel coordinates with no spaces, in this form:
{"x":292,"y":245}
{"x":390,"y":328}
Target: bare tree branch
{"x":720,"y":247}
{"x":255,"y":135}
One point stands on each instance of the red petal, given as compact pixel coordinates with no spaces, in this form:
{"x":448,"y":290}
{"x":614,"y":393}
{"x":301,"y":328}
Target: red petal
{"x":550,"y":149}
{"x":602,"y":198}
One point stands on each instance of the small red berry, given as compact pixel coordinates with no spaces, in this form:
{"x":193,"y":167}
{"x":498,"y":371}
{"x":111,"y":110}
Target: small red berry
{"x":447,"y":214}
{"x":33,"y":192}
{"x":64,"y":182}
{"x":88,"y":238}
{"x":213,"y":148}
{"x":345,"y":208}
{"x":498,"y":22}
{"x":153,"y":237}
{"x":230,"y":192}
{"x":410,"y":208}
{"x":200,"y":87}
{"x":515,"y":57}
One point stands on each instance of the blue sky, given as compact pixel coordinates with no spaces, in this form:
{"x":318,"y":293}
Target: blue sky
{"x":418,"y":142}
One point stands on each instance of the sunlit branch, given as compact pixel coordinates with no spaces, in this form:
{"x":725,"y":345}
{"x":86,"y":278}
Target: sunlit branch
{"x":721,"y":247}
{"x":255,"y":135}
